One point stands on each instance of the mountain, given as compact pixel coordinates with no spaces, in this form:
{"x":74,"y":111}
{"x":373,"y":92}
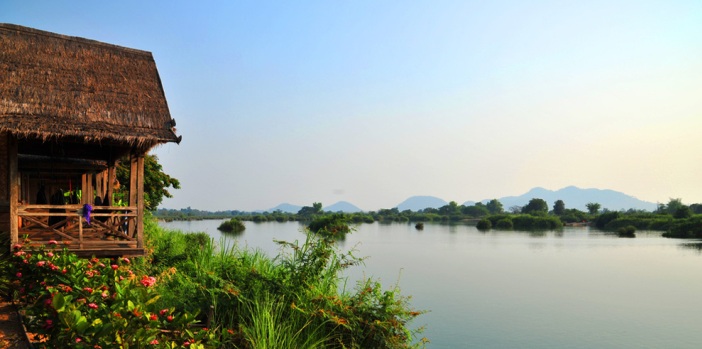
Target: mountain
{"x":342,"y":206}
{"x":416,"y":203}
{"x":287,"y":208}
{"x":577,"y":198}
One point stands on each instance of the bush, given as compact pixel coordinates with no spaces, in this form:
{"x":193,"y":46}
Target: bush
{"x":484,"y":224}
{"x":234,"y":225}
{"x":80,"y":303}
{"x":505,"y":224}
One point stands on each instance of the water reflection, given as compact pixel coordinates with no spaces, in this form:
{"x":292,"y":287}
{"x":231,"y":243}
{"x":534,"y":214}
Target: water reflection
{"x":695,"y":246}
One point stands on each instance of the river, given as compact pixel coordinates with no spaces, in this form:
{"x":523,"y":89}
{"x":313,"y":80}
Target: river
{"x":575,"y":288}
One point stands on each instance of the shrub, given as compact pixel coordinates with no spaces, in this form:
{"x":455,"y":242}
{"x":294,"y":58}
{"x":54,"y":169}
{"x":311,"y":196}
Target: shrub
{"x":505,"y":224}
{"x":484,"y":224}
{"x":80,"y":303}
{"x":234,"y":225}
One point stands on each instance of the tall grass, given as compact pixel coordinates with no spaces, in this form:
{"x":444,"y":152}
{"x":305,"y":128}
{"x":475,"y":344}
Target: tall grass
{"x":294,"y":300}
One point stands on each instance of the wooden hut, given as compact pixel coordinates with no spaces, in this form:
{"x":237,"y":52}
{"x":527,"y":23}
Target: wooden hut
{"x":70,"y":109}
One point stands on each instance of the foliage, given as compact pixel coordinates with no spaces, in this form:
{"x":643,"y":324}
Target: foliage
{"x":484,"y":224}
{"x":593,"y":207}
{"x":559,"y":207}
{"x":536,"y":207}
{"x":627,"y":232}
{"x":234,"y":225}
{"x":294,"y":300}
{"x":81,"y":303}
{"x":602,"y":220}
{"x":308,"y":211}
{"x":505,"y":224}
{"x":494,"y":206}
{"x":333,"y":225}
{"x":156,"y":182}
{"x":690,"y":228}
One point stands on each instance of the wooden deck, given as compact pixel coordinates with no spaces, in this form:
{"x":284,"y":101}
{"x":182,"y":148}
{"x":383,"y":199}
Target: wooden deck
{"x":112,"y":230}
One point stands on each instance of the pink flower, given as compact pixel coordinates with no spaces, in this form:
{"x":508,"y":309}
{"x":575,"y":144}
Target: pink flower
{"x":50,"y":254}
{"x":92,"y":306}
{"x":114,"y":266}
{"x":186,"y":344}
{"x":19,"y":275}
{"x":88,"y":289}
{"x":148,"y":281}
{"x":53,"y":242}
{"x":41,"y":263}
{"x":78,"y":340}
{"x":163,"y":312}
{"x":105,"y":294}
{"x":17,"y":246}
{"x":125,"y":260}
{"x":154,"y":342}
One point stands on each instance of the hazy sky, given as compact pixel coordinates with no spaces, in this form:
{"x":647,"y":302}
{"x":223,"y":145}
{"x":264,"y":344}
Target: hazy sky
{"x":374,"y":101}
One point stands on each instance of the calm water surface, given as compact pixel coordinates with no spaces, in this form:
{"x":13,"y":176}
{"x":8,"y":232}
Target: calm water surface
{"x":576,"y":288}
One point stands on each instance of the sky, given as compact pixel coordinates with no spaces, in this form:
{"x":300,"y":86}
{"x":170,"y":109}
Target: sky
{"x":372,"y":102}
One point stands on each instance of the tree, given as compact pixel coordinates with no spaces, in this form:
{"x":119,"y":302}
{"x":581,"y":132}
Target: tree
{"x":559,"y":207}
{"x":515,"y":209}
{"x":593,"y":207}
{"x":536,"y":207}
{"x":674,"y":205}
{"x":306,"y":211}
{"x":494,"y":206}
{"x":156,"y":182}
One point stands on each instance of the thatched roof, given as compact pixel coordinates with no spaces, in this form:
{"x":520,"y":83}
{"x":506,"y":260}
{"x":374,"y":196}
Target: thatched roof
{"x":54,"y":86}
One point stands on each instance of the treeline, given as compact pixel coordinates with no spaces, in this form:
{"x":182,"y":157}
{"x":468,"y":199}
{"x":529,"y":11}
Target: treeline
{"x":675,"y":218}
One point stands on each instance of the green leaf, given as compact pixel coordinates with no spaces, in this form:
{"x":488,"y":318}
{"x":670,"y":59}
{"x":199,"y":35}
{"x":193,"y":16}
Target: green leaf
{"x":58,"y":302}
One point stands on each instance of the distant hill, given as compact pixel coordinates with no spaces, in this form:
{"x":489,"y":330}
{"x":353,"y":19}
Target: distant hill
{"x":287,"y":208}
{"x":342,"y":206}
{"x":416,"y":203}
{"x":577,"y":198}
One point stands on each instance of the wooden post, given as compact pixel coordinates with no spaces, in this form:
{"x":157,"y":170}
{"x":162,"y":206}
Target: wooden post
{"x":140,"y":202}
{"x":14,"y":181}
{"x":111,"y":177}
{"x":133,"y":180}
{"x":84,"y":188}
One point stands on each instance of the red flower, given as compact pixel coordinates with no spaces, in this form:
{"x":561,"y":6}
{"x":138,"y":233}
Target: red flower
{"x":17,"y":246}
{"x":125,"y":260}
{"x":53,"y":242}
{"x":163,"y":312}
{"x":186,"y":344}
{"x":19,"y":275}
{"x":92,"y":306}
{"x":153,"y":317}
{"x":148,"y":281}
{"x":41,"y":263}
{"x":169,"y":318}
{"x":88,"y":289}
{"x":114,"y":266}
{"x":154,"y":342}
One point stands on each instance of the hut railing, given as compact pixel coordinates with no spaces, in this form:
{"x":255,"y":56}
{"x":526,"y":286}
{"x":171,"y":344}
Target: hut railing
{"x":109,"y":227}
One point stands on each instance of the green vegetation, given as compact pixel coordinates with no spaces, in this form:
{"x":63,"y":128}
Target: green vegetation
{"x":245,"y":298}
{"x":156,"y":182}
{"x":234,"y":225}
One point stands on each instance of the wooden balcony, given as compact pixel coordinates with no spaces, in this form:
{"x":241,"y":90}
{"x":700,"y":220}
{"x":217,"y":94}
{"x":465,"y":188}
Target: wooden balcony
{"x":112,"y":230}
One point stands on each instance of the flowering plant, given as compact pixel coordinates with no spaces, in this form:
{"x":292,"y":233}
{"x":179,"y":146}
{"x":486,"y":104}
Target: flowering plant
{"x":95,"y":303}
